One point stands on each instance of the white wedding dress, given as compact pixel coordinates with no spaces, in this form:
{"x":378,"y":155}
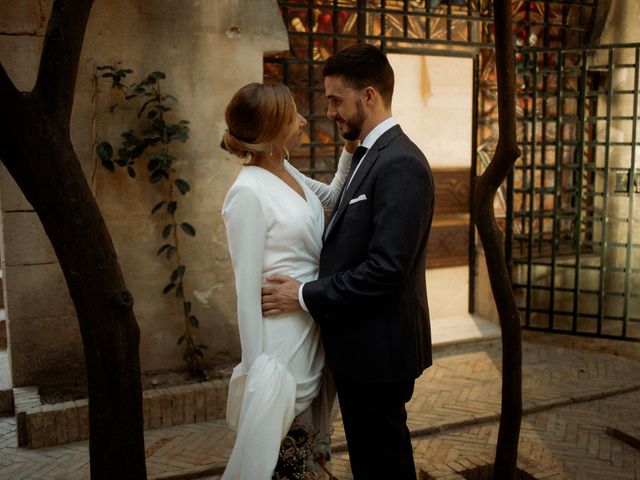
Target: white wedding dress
{"x":271,"y":230}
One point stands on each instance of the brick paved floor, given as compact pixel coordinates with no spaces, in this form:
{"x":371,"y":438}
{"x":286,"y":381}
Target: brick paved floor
{"x":571,"y":396}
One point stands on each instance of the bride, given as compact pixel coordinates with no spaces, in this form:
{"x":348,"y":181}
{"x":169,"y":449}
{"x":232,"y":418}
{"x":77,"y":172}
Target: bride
{"x":274,"y":219}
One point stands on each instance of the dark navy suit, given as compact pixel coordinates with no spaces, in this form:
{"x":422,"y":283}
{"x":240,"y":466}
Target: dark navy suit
{"x":371,"y":304}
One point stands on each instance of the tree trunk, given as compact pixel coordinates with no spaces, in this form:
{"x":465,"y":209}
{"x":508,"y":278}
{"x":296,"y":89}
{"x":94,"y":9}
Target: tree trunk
{"x":35,"y":146}
{"x":484,"y":192}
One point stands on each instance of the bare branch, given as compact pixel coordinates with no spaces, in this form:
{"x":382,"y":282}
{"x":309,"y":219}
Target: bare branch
{"x":506,"y":74}
{"x":60,"y":56}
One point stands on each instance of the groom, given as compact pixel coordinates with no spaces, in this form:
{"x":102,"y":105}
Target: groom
{"x":370,"y":300}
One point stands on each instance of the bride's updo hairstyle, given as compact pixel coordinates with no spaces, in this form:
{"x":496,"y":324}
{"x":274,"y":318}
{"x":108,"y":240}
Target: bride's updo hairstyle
{"x":255,"y":116}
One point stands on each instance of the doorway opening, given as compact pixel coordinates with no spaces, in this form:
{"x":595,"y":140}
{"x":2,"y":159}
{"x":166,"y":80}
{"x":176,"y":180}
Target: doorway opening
{"x":433,"y":102}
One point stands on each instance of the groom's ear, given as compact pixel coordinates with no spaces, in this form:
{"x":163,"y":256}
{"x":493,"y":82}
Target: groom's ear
{"x":371,"y":96}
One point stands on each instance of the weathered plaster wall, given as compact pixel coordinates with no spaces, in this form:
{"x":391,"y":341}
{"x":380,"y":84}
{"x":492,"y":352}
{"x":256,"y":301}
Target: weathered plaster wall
{"x":188,"y":40}
{"x":433,"y":101}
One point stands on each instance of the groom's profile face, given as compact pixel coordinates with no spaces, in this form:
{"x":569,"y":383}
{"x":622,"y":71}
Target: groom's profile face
{"x":345,"y":107}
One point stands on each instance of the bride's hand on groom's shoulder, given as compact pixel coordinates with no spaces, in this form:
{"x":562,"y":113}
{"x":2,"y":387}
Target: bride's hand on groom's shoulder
{"x":280,"y":295}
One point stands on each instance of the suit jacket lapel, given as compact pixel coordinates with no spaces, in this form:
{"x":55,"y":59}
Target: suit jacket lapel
{"x":361,"y":173}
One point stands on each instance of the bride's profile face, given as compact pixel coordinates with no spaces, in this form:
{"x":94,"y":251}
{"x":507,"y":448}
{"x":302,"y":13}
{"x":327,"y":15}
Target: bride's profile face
{"x":294,"y":132}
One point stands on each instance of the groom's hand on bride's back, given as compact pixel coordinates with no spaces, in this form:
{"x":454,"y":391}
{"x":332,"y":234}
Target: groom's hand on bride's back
{"x":280,"y":295}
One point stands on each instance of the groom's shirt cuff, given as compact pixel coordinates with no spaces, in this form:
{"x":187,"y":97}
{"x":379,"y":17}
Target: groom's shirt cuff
{"x":301,"y":298}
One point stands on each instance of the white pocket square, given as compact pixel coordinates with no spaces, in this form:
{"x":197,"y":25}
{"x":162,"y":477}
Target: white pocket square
{"x":358,"y":199}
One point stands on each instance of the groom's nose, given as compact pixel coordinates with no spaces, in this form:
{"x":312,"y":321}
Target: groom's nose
{"x":331,"y":113}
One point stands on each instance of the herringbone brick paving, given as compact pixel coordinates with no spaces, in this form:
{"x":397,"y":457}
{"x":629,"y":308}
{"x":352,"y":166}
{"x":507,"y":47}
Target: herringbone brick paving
{"x":571,"y":396}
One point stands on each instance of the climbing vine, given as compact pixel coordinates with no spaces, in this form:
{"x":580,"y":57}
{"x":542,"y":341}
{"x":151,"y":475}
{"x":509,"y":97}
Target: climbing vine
{"x":151,"y":137}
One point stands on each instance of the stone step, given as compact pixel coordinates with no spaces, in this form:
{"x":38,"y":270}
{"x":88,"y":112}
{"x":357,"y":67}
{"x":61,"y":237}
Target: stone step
{"x":462,"y":329}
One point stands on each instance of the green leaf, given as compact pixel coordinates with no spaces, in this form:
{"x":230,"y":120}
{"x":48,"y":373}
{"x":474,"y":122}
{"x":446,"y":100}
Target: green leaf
{"x":152,"y":113}
{"x":163,"y":248}
{"x":106,"y":67}
{"x":158,"y":175}
{"x":130,"y":139}
{"x":109,"y":165}
{"x":178,"y":272}
{"x":170,"y":252}
{"x":194,"y":321}
{"x":166,"y":231}
{"x":182,"y":339}
{"x":131,"y":172}
{"x":123,"y":153}
{"x":171,"y":207}
{"x":169,"y":287}
{"x":179,"y":292}
{"x":153,"y":164}
{"x":188,"y":229}
{"x":152,"y":136}
{"x":104,"y":151}
{"x":157,"y":75}
{"x":157,"y":207}
{"x":182,"y":185}
{"x":187,"y":308}
{"x":138,"y":150}
{"x":178,"y":132}
{"x":161,"y":156}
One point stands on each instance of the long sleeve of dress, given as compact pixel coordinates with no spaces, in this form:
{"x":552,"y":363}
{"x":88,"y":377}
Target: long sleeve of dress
{"x":330,"y":194}
{"x":246,"y":232}
{"x":262,"y":393}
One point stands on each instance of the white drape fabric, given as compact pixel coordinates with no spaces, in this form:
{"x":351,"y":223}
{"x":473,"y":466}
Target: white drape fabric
{"x":271,"y":230}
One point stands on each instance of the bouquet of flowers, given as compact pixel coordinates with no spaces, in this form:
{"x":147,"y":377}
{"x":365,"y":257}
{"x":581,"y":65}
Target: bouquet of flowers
{"x":303,"y":455}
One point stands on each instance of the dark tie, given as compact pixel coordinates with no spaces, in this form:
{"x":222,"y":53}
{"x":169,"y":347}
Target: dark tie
{"x":357,"y":156}
{"x":355,"y":160}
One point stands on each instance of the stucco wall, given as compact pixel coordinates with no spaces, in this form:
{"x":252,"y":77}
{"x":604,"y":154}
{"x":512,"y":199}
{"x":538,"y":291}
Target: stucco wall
{"x":188,"y":40}
{"x":433,"y":101}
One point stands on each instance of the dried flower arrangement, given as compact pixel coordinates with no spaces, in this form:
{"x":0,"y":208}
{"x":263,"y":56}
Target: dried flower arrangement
{"x":303,"y":455}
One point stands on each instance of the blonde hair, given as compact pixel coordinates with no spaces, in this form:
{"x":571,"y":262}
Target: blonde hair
{"x":255,"y":117}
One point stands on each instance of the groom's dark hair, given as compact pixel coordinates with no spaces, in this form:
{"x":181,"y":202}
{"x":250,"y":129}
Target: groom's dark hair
{"x":362,"y":65}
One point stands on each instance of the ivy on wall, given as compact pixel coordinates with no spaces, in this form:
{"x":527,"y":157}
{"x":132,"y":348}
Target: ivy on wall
{"x":151,"y":136}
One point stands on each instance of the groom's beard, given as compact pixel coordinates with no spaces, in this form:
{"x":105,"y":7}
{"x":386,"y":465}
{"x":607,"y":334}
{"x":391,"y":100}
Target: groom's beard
{"x":353,"y":124}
